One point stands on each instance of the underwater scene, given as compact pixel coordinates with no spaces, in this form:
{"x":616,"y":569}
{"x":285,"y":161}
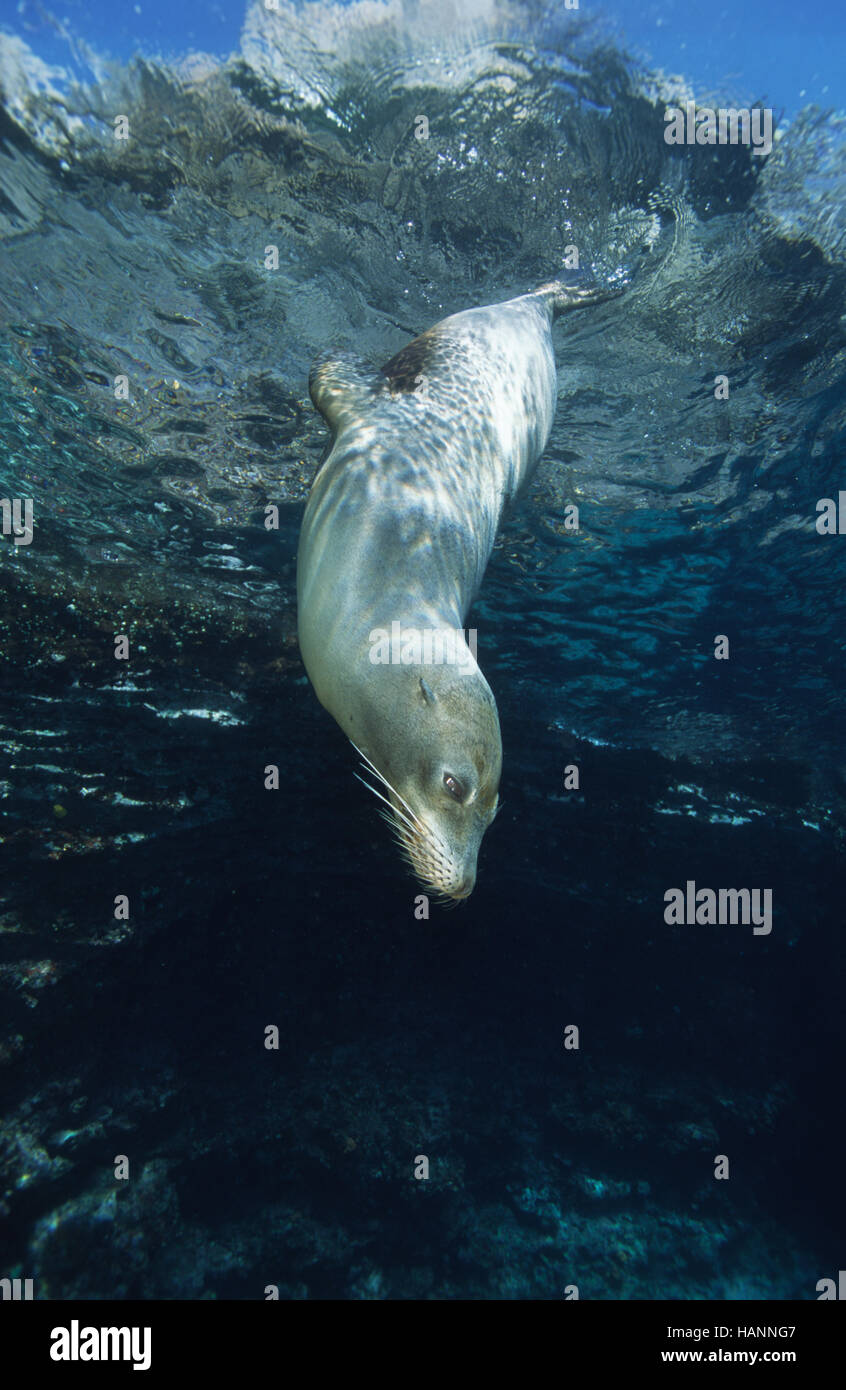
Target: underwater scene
{"x":449,"y":399}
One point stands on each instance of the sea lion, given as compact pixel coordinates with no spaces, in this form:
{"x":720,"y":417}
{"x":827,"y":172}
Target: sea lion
{"x":397,"y":533}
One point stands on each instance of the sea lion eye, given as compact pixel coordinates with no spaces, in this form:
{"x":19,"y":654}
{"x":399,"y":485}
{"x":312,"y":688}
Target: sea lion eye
{"x":453,"y":786}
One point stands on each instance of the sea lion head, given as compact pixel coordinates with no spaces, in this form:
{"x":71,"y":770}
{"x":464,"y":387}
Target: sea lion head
{"x":438,"y":757}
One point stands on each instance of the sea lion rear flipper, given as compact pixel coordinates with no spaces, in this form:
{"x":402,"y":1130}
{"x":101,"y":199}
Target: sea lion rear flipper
{"x":560,"y":296}
{"x":342,"y":385}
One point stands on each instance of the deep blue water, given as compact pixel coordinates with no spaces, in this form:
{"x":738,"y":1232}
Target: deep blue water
{"x":549,"y":1166}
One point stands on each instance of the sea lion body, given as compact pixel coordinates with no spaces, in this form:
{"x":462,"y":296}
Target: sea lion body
{"x":399,"y":528}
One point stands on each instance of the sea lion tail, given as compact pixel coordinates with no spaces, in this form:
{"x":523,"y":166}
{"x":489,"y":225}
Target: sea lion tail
{"x":561,"y":297}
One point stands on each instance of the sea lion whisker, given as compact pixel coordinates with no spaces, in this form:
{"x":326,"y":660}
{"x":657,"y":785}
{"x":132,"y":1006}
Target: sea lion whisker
{"x":369,"y":761}
{"x":398,"y":830}
{"x":441,"y":896}
{"x":407,"y":835}
{"x":435,"y":862}
{"x":417,"y":826}
{"x":389,"y":804}
{"x":383,"y":779}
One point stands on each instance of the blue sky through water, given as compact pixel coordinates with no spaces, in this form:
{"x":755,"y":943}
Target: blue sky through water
{"x":780,"y":51}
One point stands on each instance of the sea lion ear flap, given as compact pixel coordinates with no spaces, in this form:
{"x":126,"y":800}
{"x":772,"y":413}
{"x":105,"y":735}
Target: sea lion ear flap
{"x":428,"y":693}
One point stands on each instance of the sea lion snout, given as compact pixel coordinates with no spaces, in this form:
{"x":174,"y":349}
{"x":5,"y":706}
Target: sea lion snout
{"x":444,"y":857}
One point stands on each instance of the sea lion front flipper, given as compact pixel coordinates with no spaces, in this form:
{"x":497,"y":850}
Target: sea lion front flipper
{"x":342,"y":386}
